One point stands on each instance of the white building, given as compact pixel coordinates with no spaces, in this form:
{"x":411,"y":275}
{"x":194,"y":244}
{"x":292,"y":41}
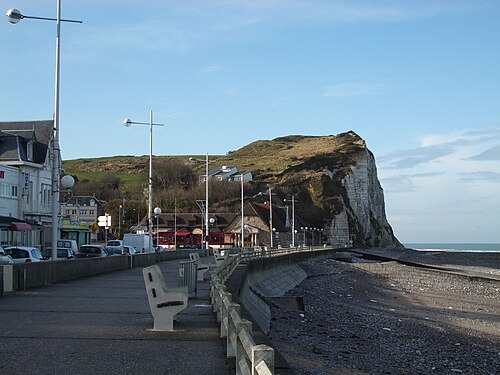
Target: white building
{"x":226,"y":173}
{"x":25,"y":183}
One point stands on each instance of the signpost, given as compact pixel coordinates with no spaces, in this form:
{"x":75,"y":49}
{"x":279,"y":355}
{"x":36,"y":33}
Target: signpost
{"x":104,"y":221}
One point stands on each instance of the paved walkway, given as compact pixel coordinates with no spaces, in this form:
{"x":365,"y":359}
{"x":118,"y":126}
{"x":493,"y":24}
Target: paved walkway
{"x":99,"y":325}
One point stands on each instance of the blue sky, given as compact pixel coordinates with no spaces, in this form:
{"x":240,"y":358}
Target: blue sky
{"x":418,"y":80}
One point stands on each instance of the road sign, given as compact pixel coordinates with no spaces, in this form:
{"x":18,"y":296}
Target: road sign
{"x":104,"y":221}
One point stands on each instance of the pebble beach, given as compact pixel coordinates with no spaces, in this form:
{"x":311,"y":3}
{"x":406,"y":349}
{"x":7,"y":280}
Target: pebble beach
{"x":384,"y":317}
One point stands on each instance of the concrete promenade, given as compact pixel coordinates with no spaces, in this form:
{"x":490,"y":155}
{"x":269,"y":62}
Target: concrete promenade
{"x":99,"y":325}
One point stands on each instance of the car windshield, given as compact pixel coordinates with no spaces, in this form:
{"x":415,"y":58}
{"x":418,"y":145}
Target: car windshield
{"x":113,"y":243}
{"x":90,"y":250}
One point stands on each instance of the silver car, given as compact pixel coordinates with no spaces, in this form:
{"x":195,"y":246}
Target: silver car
{"x":24,"y":254}
{"x":4,"y":258}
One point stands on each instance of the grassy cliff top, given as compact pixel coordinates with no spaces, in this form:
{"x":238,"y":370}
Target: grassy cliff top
{"x":262,"y":158}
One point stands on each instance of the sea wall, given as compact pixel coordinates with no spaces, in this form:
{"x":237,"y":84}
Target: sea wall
{"x":267,"y":278}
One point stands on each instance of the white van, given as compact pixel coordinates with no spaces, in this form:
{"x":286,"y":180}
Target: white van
{"x":139,"y":241}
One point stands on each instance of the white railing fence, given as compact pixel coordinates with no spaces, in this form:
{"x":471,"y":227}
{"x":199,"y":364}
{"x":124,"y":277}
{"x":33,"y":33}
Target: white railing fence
{"x":250,"y":358}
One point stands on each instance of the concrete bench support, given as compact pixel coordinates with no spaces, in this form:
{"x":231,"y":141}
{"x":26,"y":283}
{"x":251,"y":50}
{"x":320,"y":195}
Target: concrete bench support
{"x":220,"y":256}
{"x":165,"y":303}
{"x":202,"y":268}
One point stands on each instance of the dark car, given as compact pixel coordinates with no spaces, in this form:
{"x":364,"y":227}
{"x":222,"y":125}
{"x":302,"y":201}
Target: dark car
{"x":62,"y":254}
{"x":91,"y":251}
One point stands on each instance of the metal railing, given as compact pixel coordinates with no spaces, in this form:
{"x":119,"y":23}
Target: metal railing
{"x":250,"y":358}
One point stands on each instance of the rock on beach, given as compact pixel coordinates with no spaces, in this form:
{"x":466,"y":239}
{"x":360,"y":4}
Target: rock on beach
{"x":384,"y":317}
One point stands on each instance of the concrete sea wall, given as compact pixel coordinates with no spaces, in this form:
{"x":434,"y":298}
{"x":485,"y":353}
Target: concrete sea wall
{"x":267,"y":278}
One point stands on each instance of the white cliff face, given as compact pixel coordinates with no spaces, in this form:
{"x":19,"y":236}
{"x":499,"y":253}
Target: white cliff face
{"x":365,"y":206}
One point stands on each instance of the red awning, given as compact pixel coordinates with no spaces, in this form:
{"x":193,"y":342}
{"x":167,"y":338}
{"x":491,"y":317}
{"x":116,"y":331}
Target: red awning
{"x":183,"y":234}
{"x":20,"y":226}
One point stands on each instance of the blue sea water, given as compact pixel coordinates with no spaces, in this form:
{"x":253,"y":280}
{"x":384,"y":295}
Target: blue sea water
{"x":468,"y":247}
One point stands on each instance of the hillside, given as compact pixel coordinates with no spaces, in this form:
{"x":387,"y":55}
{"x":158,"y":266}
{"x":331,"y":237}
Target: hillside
{"x":333,"y":179}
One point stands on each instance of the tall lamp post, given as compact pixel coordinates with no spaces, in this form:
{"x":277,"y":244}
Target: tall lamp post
{"x":293,"y":219}
{"x":242,"y":215}
{"x":14,"y":17}
{"x":157,"y":214}
{"x":137,"y":212}
{"x":127,"y":122}
{"x":271,"y":216}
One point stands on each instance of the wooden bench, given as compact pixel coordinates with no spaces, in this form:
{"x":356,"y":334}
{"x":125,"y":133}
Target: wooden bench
{"x":165,"y":303}
{"x":202,"y":268}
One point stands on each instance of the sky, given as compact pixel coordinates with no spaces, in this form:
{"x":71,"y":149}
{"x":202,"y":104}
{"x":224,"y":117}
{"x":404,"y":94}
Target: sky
{"x":419,"y":81}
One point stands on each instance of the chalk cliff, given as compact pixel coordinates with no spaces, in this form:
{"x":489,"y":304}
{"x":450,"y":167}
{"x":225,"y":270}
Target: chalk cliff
{"x":334,"y":181}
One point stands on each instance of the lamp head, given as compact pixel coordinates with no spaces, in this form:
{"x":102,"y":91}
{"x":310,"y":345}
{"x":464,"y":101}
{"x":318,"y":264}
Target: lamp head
{"x":67,"y":181}
{"x":14,"y":16}
{"x":127,"y":122}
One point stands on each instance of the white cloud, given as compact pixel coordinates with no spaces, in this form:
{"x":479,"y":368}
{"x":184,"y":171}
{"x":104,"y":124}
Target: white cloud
{"x":446,"y":190}
{"x":209,"y":69}
{"x":350,"y":89}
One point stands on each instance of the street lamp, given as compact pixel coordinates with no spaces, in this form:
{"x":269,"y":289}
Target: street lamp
{"x":242,"y":215}
{"x":14,"y":16}
{"x":271,"y":216}
{"x":137,"y":212}
{"x":157,"y":214}
{"x":127,"y":122}
{"x":293,"y":219}
{"x":120,"y":208}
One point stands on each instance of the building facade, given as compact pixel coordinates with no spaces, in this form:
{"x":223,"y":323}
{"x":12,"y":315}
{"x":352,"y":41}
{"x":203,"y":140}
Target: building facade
{"x":26,"y":183}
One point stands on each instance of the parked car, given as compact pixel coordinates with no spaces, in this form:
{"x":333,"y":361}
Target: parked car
{"x":114,"y":247}
{"x":4,"y":258}
{"x":68,"y":244}
{"x":124,"y":250}
{"x":91,"y":251}
{"x":130,"y":250}
{"x":24,"y":254}
{"x":62,"y":254}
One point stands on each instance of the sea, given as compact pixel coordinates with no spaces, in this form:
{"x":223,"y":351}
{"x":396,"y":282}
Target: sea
{"x":454,"y":247}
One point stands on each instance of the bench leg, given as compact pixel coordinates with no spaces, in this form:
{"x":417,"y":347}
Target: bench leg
{"x":165,"y":322}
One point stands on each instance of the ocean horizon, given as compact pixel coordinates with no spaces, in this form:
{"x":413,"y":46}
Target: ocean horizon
{"x":466,"y":247}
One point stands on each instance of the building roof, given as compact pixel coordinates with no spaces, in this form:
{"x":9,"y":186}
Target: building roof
{"x":84,"y":201}
{"x":262,"y":211}
{"x":17,"y":137}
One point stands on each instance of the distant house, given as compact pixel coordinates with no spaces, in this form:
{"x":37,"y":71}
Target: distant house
{"x":26,"y":181}
{"x":83,"y":210}
{"x":226,"y":173}
{"x":257,"y":228}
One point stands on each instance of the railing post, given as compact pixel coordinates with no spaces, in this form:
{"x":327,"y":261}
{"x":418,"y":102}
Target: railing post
{"x":262,"y":354}
{"x":232,"y":331}
{"x":240,"y":354}
{"x":224,"y":313}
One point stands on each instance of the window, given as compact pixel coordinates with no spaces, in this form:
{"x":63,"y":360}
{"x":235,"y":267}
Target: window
{"x":29,"y":150}
{"x":8,"y":190}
